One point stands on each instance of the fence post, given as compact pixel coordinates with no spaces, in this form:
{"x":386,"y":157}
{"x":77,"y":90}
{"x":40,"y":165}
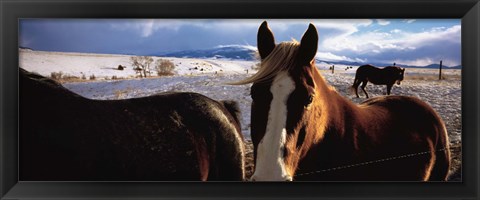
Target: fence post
{"x":333,"y":69}
{"x":440,"y":71}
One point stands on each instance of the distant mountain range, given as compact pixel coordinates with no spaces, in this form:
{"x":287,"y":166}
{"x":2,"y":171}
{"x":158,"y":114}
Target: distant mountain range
{"x":26,"y":48}
{"x":236,"y":52}
{"x":244,"y":52}
{"x":436,"y":66}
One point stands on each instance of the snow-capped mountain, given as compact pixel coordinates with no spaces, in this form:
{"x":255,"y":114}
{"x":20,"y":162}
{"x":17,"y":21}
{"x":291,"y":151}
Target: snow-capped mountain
{"x":234,"y":52}
{"x":246,"y":52}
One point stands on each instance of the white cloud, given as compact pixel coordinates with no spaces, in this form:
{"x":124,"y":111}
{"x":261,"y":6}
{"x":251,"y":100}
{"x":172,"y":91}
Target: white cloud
{"x":383,"y":22}
{"x":436,"y":35}
{"x":426,"y":61}
{"x":396,"y":39}
{"x":395,"y":31}
{"x":416,"y":62}
{"x":341,"y":34}
{"x":409,"y":21}
{"x":147,"y":27}
{"x":361,"y":42}
{"x":328,"y":56}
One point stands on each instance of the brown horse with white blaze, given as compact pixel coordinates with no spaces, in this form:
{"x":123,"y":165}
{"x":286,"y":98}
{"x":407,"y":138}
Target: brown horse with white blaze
{"x":302,"y":129}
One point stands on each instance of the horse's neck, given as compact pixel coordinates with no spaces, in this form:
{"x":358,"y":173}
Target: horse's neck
{"x":334,"y":108}
{"x":328,"y":95}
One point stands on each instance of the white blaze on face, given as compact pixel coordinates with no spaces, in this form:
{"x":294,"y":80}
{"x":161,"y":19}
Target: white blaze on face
{"x":270,"y":165}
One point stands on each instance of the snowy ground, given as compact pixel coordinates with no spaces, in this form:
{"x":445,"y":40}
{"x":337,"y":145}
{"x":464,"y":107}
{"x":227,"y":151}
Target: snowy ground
{"x":446,"y":101}
{"x":210,"y":77}
{"x":444,"y":96}
{"x":104,"y":66}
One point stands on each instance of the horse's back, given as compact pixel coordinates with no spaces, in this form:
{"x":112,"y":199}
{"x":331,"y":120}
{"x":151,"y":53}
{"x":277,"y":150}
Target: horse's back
{"x":211,"y":133}
{"x":214,"y":123}
{"x":366,"y":73}
{"x":405,"y":111}
{"x":377,"y":76}
{"x":192,"y":130}
{"x":162,"y":137}
{"x":411,"y":129}
{"x":364,"y":70}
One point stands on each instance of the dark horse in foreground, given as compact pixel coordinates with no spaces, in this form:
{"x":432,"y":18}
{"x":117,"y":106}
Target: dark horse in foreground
{"x":171,"y":136}
{"x":302,"y":129}
{"x":378,"y":76}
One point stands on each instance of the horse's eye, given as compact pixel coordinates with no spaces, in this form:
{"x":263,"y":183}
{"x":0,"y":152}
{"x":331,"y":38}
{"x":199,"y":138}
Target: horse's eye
{"x":309,"y":100}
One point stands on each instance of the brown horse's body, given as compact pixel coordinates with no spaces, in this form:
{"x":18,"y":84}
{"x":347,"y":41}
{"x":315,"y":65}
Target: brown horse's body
{"x":164,"y":137}
{"x":378,"y":76}
{"x":302,"y":129}
{"x":385,"y":138}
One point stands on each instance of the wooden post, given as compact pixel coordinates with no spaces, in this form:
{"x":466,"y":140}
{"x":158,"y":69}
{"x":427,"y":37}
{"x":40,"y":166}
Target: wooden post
{"x":333,"y":69}
{"x":440,"y":71}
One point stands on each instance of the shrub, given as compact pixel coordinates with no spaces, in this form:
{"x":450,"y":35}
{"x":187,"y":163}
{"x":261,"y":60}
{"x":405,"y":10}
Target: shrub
{"x":70,"y":78}
{"x":92,"y":77}
{"x":56,"y":75}
{"x":164,"y":67}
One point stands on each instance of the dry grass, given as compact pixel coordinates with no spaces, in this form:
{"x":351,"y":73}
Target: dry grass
{"x":62,"y":78}
{"x":249,"y":162}
{"x":67,"y":78}
{"x":122,"y":94}
{"x":431,"y":77}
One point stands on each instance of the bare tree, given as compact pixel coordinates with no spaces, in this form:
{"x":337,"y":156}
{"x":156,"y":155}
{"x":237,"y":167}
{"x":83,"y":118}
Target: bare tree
{"x":141,"y":64}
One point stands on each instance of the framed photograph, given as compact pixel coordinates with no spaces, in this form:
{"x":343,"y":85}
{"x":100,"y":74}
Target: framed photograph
{"x":227,"y":99}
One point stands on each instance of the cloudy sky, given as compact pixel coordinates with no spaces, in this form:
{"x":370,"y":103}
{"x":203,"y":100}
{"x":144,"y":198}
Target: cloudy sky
{"x":406,"y":41}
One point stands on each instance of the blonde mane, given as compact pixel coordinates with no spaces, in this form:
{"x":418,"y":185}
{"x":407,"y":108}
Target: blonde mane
{"x":280,"y":59}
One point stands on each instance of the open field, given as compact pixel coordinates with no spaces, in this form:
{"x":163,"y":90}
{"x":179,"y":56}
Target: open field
{"x":443,"y":95}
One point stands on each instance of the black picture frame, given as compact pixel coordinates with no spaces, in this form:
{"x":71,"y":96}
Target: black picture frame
{"x":13,"y":10}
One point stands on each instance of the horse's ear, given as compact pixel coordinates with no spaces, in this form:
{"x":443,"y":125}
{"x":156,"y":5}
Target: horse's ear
{"x":265,"y":40}
{"x":308,"y":45}
{"x":403,"y":69}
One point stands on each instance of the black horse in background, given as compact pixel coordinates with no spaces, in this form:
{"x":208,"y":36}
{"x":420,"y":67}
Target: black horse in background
{"x":164,"y":137}
{"x":378,"y":76}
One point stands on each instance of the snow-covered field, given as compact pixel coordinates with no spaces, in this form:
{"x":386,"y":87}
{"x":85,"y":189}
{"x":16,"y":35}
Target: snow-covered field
{"x":104,"y":66}
{"x":210,"y":77}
